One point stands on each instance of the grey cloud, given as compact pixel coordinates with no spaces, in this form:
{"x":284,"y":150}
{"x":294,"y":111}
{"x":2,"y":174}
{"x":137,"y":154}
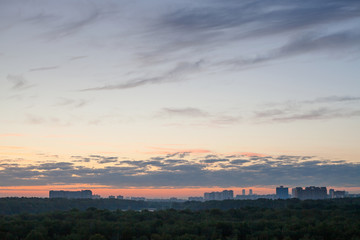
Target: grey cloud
{"x":332,"y":99}
{"x":43,"y":68}
{"x":288,"y":170}
{"x":80,"y":159}
{"x":55,"y":165}
{"x":77,"y":58}
{"x":73,"y":26}
{"x":316,"y":109}
{"x":306,"y":43}
{"x":214,"y":160}
{"x":264,"y":17}
{"x":72,"y":102}
{"x":239,"y":161}
{"x":103,"y":159}
{"x":321,"y":113}
{"x":313,"y":42}
{"x":190,"y":112}
{"x":175,"y":74}
{"x":177,"y":154}
{"x":19,"y":82}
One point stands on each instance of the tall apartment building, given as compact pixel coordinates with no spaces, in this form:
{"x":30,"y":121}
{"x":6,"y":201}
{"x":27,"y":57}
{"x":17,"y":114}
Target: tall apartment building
{"x":311,"y":192}
{"x":282,"y":192}
{"x":336,"y":194}
{"x":226,"y":194}
{"x":70,"y":194}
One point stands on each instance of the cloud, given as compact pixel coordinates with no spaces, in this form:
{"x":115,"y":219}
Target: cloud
{"x":77,"y":58}
{"x":172,"y":152}
{"x":323,"y":108}
{"x":334,"y":99}
{"x":214,"y":160}
{"x":43,"y":68}
{"x":103,"y":159}
{"x":73,"y":25}
{"x":175,"y":74}
{"x":72,"y":102}
{"x":189,"y":112}
{"x":164,"y":172}
{"x":259,"y":18}
{"x":304,"y":44}
{"x":19,"y":82}
{"x":321,"y":113}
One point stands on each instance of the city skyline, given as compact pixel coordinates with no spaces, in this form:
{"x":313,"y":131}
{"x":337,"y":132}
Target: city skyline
{"x":168,"y":98}
{"x":302,"y":193}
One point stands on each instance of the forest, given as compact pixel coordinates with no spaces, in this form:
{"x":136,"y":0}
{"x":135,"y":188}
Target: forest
{"x":215,"y":220}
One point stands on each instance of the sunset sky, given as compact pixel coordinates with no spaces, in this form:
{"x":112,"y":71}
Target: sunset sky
{"x":173,"y":98}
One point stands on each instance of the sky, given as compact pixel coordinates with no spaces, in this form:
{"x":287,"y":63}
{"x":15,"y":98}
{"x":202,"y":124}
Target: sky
{"x":173,"y":98}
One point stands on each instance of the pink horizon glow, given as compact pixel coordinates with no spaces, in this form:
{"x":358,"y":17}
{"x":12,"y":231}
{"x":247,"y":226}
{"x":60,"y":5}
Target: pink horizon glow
{"x":105,"y":191}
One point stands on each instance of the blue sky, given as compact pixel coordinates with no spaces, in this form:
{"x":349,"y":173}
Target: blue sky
{"x":137,"y":80}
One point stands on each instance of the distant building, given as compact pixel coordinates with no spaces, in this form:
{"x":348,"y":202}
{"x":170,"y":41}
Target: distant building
{"x":282,"y":192}
{"x":224,"y":195}
{"x":120,"y":197}
{"x":243,"y":192}
{"x":111,"y":197}
{"x":198,"y":199}
{"x":138,"y":198}
{"x":250,"y":192}
{"x":96,"y":196}
{"x":311,"y":192}
{"x":71,"y":194}
{"x":254,"y":197}
{"x":336,"y":194}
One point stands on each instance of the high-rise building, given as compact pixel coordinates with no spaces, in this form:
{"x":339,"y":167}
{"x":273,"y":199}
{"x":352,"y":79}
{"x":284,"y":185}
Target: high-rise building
{"x":243,"y":192}
{"x":250,"y":192}
{"x":226,"y":194}
{"x":70,"y":194}
{"x":336,"y":194}
{"x":120,"y":197}
{"x":311,"y":192}
{"x":282,"y":192}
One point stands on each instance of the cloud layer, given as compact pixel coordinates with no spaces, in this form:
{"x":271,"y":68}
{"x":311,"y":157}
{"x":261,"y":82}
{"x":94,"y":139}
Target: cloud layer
{"x":181,"y":170}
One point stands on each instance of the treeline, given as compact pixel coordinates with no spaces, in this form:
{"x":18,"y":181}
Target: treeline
{"x":9,"y":206}
{"x":304,"y":221}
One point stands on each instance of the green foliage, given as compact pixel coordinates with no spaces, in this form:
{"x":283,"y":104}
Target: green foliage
{"x":308,"y":220}
{"x":97,"y":237}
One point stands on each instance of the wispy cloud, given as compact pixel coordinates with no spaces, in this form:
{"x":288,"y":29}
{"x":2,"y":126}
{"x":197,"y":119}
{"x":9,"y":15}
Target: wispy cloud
{"x":316,"y":109}
{"x":190,"y":112}
{"x":77,"y":58}
{"x":72,"y":102}
{"x":304,"y":44}
{"x":19,"y":82}
{"x":175,"y":74}
{"x":43,"y":68}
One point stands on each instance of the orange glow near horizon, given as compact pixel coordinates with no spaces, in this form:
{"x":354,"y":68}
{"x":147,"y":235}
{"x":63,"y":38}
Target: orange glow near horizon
{"x":105,"y":191}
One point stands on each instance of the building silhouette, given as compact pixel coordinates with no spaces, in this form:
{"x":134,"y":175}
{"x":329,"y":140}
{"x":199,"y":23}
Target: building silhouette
{"x":336,"y":194}
{"x":311,"y":192}
{"x":71,"y":194}
{"x":226,"y":194}
{"x":282,"y":192}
